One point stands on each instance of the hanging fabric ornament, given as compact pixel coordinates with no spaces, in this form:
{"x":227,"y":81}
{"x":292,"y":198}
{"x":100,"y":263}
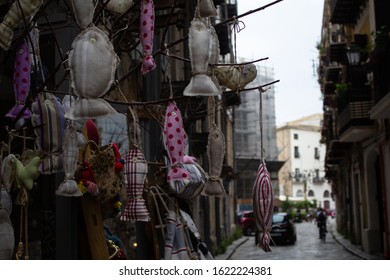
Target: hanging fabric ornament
{"x":199,"y":46}
{"x":19,"y":11}
{"x":236,"y":77}
{"x":21,"y":79}
{"x":135,"y":171}
{"x":174,"y":247}
{"x":216,"y":154}
{"x":8,"y":176}
{"x":214,"y":57}
{"x":206,"y":8}
{"x":83,"y":11}
{"x":72,"y":143}
{"x":49,"y":122}
{"x":263,"y":198}
{"x":147,"y":35}
{"x":119,"y":6}
{"x":175,"y":141}
{"x":91,"y":78}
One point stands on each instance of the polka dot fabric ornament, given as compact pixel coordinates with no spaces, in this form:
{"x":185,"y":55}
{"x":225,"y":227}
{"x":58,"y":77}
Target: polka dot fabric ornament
{"x":147,"y":34}
{"x":175,"y":143}
{"x":263,"y":198}
{"x":21,"y":79}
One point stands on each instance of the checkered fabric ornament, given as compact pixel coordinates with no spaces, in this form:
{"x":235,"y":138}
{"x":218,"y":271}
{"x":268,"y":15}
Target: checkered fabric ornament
{"x":135,"y":171}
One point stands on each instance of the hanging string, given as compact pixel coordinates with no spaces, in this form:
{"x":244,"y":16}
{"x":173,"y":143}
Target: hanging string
{"x":261,"y":91}
{"x":236,"y":29}
{"x":168,"y":71}
{"x":135,"y":125}
{"x":212,"y":110}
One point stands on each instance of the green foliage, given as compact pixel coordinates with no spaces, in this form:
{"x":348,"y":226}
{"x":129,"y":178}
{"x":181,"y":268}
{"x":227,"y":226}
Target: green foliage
{"x":222,"y":247}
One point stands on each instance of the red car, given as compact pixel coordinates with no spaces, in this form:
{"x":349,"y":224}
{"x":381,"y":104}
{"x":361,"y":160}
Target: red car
{"x":247,"y":222}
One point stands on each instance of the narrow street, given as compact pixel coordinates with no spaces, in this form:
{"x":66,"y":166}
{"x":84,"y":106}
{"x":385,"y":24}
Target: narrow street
{"x":307,"y":247}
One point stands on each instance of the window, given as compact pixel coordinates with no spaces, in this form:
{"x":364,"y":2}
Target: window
{"x":299,"y":193}
{"x":316,"y":175}
{"x":295,"y":136}
{"x":326,"y":193}
{"x":296,"y":151}
{"x":310,"y":193}
{"x":316,"y":153}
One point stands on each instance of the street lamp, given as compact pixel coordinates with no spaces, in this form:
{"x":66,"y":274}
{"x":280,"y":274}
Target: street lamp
{"x":353,"y":54}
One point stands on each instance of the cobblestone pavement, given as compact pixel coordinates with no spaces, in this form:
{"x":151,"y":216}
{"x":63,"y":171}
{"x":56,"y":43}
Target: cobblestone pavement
{"x":307,"y":247}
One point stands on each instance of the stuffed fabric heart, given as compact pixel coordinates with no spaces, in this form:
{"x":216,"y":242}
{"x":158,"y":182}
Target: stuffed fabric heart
{"x":48,"y":118}
{"x":236,"y":77}
{"x":83,"y":11}
{"x":26,"y":175}
{"x":119,"y":6}
{"x":88,"y":83}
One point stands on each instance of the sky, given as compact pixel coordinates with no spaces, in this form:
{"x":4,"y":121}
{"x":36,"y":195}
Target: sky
{"x":286,"y":33}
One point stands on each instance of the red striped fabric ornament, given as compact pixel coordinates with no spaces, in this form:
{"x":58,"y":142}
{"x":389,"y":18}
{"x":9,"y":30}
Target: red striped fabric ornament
{"x":135,"y":171}
{"x":263,"y":205}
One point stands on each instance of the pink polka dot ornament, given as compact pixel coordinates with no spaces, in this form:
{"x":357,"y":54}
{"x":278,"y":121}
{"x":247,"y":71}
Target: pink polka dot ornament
{"x":147,"y":34}
{"x":21,"y":80}
{"x":175,"y":143}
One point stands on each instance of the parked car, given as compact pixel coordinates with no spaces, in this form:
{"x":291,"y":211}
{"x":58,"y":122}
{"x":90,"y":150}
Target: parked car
{"x":283,"y":229}
{"x":247,"y":222}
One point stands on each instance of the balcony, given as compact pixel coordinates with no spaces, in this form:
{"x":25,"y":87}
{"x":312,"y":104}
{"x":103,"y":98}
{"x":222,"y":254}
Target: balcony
{"x":336,"y":151}
{"x":345,"y":11}
{"x":333,"y":74}
{"x":336,"y":52}
{"x":354,"y":121}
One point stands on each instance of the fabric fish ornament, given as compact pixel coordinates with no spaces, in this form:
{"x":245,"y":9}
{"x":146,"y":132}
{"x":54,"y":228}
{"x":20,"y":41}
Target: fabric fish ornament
{"x":92,"y":63}
{"x":214,"y":57}
{"x":199,"y":46}
{"x":135,"y":171}
{"x":216,"y":154}
{"x":147,"y":34}
{"x":206,"y":8}
{"x":263,"y":206}
{"x":72,"y":142}
{"x":14,"y":17}
{"x":83,"y":11}
{"x":49,"y":122}
{"x":175,"y":141}
{"x":21,"y":78}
